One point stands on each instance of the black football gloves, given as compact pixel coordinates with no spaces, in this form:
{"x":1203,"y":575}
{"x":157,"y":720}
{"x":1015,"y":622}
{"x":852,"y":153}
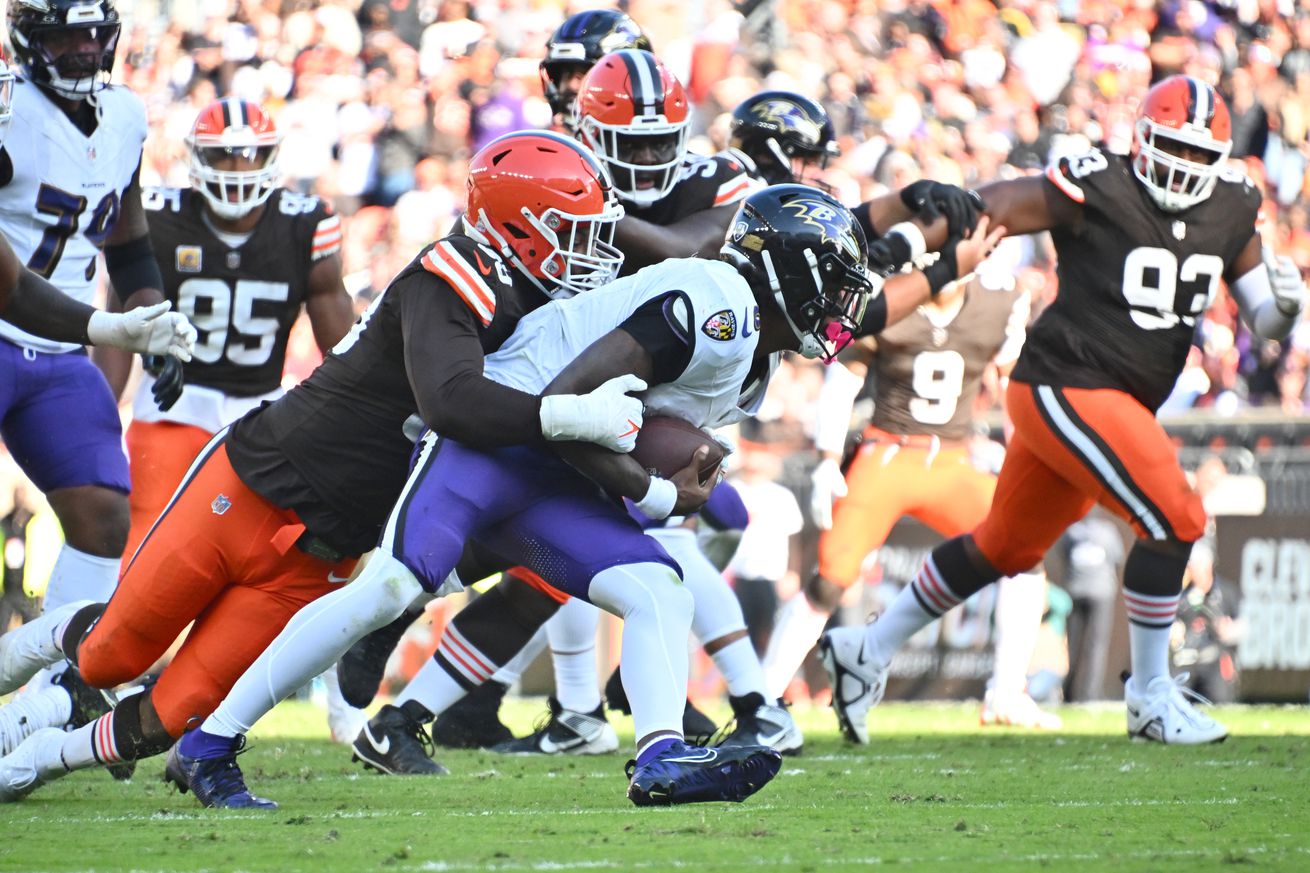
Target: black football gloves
{"x":930,"y":200}
{"x":167,"y":371}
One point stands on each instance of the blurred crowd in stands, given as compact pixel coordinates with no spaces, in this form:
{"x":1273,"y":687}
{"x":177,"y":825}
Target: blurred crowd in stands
{"x":382,"y":101}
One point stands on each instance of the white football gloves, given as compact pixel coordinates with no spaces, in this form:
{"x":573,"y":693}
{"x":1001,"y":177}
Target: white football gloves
{"x":150,"y":330}
{"x":606,"y":416}
{"x":826,"y":485}
{"x":1286,"y":283}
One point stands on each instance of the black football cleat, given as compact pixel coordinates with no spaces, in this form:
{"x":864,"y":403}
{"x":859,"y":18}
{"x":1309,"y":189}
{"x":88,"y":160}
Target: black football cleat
{"x":696,"y":725}
{"x":361,"y":668}
{"x":702,"y":774}
{"x":395,"y":743}
{"x":217,"y":781}
{"x":474,"y":721}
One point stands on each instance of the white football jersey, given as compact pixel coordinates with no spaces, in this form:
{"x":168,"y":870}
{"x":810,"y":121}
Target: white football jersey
{"x":724,"y":332}
{"x":66,"y":190}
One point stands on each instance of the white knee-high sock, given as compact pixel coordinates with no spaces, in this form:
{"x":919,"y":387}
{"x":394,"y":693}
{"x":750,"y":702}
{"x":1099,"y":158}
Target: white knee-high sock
{"x":798,"y":629}
{"x":314,"y":639}
{"x":741,"y":669}
{"x":79,"y":576}
{"x":513,"y":669}
{"x":1020,"y":602}
{"x":23,"y":716}
{"x":656,"y":610}
{"x":572,"y":634}
{"x":433,"y":687}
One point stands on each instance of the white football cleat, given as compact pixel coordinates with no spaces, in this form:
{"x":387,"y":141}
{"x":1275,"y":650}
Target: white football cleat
{"x":566,"y":732}
{"x":763,"y":724}
{"x":858,"y":682}
{"x":1017,"y":710}
{"x":1164,"y":714}
{"x":36,"y":761}
{"x":26,"y":650}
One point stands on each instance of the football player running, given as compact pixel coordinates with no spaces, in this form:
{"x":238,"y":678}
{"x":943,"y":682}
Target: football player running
{"x":914,"y":460}
{"x":1143,"y":242}
{"x":276,"y":509}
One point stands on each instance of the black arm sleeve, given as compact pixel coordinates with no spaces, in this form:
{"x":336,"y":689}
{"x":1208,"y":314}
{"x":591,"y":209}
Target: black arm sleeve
{"x":875,"y":317}
{"x":443,"y":358}
{"x":862,"y":218}
{"x":662,"y":327}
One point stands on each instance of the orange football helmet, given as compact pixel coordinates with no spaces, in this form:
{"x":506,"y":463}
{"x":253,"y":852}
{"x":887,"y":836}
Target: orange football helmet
{"x":634,"y":114}
{"x":545,"y":203}
{"x":1183,"y":136}
{"x":234,"y":147}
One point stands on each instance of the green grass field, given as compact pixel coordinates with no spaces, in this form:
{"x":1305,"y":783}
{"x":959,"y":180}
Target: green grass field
{"x":932,"y":791}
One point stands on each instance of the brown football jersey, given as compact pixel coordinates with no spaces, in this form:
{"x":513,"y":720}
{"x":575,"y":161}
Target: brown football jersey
{"x":1133,"y":279}
{"x":927,"y":367}
{"x":336,"y":447}
{"x":242,"y":299}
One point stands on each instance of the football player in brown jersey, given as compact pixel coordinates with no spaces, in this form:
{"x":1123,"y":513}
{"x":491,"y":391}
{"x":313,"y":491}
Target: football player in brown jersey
{"x":1143,"y":242}
{"x":241,"y":257}
{"x":914,"y":460}
{"x":277,"y":508}
{"x":635,"y":115}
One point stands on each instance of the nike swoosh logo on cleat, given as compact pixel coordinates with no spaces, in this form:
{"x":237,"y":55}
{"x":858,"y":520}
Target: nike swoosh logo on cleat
{"x":698,"y":756}
{"x":772,"y":739}
{"x":550,"y":747}
{"x":381,"y":748}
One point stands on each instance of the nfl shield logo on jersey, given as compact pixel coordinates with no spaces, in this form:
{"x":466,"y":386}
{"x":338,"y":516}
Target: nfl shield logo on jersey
{"x":188,"y":259}
{"x":221,"y":504}
{"x":722,"y":325}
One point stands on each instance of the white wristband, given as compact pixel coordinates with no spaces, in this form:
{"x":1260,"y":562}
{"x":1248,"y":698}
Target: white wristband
{"x":914,"y":236}
{"x":660,"y":498}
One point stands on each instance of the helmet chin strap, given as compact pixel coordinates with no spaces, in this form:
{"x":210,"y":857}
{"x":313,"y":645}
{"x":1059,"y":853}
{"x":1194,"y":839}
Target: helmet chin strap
{"x":809,"y":346}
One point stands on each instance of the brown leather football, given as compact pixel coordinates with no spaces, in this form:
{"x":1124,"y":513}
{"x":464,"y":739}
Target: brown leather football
{"x":666,"y":444}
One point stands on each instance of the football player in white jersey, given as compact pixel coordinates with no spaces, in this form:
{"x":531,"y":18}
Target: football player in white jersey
{"x":792,"y":275}
{"x":32,"y":304}
{"x":68,"y":192}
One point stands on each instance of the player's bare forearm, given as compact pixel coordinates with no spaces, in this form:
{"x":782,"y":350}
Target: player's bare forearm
{"x":38,"y":307}
{"x":1027,"y":205}
{"x":617,"y":475}
{"x":905,"y":293}
{"x":887,"y":210}
{"x":328,"y":303}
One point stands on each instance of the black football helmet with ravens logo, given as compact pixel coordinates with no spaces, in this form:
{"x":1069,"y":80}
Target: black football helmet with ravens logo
{"x":804,"y":250}
{"x":65,"y":45}
{"x":784,"y":134}
{"x":575,"y":47}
